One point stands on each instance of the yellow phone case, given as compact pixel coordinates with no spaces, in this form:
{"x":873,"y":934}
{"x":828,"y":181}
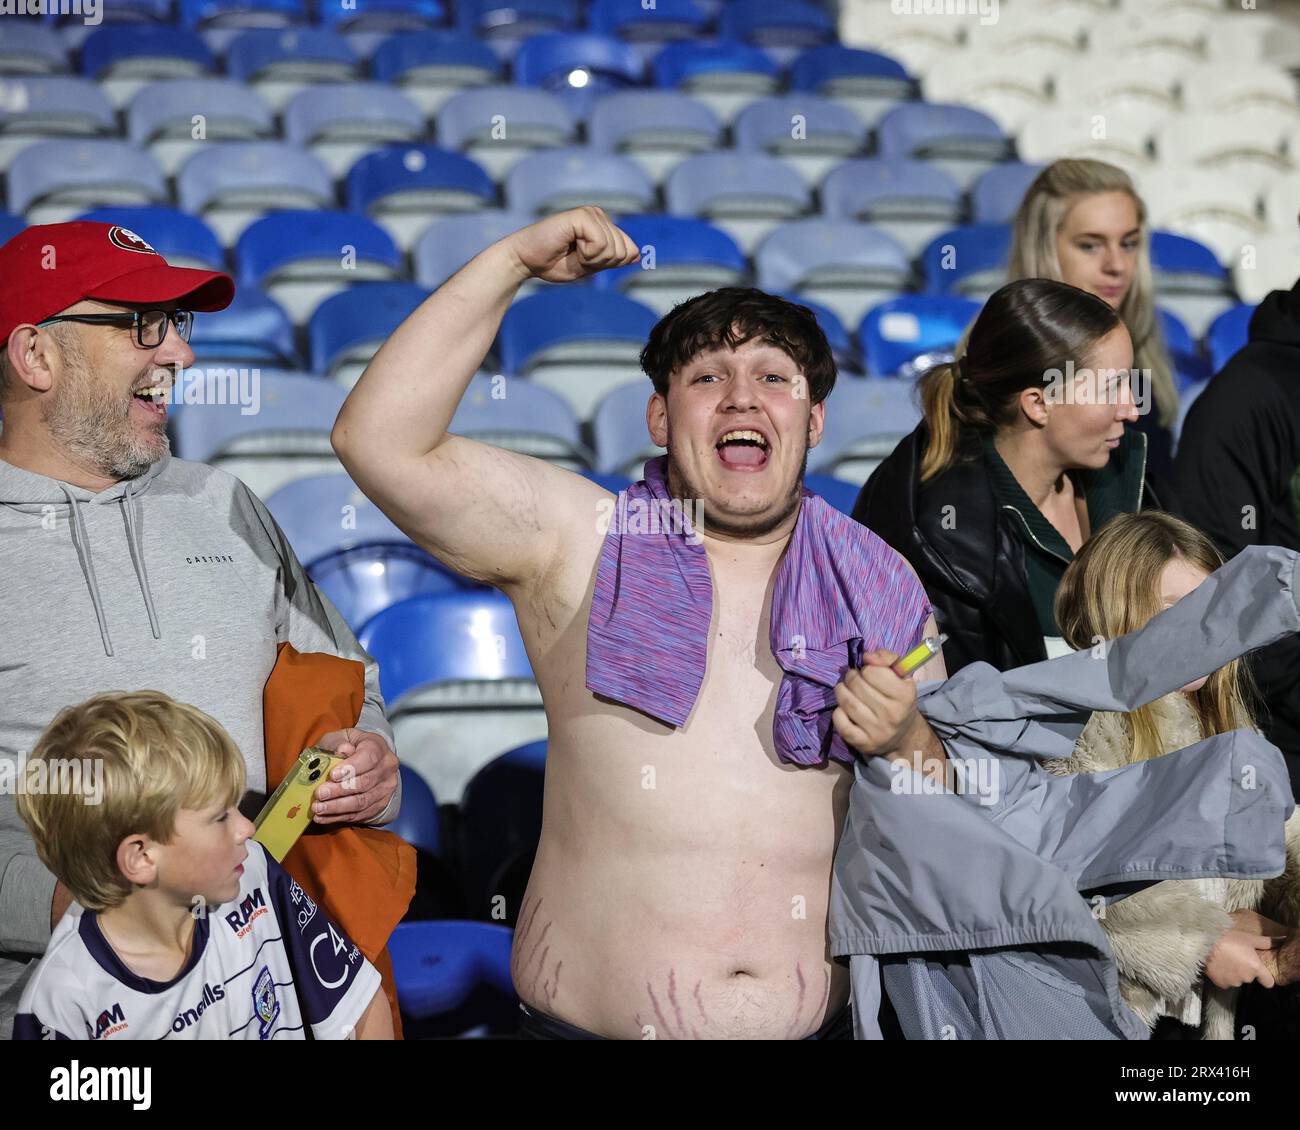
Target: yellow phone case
{"x":287,"y":813}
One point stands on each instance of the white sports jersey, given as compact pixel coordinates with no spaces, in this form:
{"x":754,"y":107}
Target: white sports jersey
{"x":260,"y":968}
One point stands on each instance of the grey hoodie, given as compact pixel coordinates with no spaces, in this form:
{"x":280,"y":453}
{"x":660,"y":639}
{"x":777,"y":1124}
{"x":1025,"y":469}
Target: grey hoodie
{"x":178,"y":581}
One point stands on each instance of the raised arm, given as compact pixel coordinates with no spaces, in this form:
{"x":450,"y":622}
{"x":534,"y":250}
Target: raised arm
{"x":490,"y":514}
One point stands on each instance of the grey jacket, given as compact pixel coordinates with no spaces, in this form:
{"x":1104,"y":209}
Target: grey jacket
{"x":978,"y":907}
{"x":178,"y":581}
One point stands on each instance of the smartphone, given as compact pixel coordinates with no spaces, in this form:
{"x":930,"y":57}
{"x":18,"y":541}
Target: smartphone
{"x":287,"y":813}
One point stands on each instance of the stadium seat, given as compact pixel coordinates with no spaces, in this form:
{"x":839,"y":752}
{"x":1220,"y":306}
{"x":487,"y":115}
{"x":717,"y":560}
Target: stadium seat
{"x":10,"y":226}
{"x":1200,"y":204}
{"x":1189,"y":366}
{"x":1282,"y":201}
{"x":164,"y":118}
{"x":577,"y":341}
{"x":302,"y":257}
{"x":1227,"y":334}
{"x":496,"y":125}
{"x":552,"y":180}
{"x":278,"y":63}
{"x":417,"y":822}
{"x":1266,"y":265}
{"x":847,"y":358}
{"x":905,"y":336}
{"x":323,"y":514}
{"x":809,"y":133}
{"x":1245,"y":149}
{"x":503,"y":23}
{"x":52,"y":181}
{"x":403,"y":187}
{"x":869,"y":82}
{"x":243,"y":13}
{"x":347,"y":329}
{"x":996,"y":195}
{"x":457,"y":683}
{"x":654,"y":128}
{"x":41,"y":109}
{"x":1009,"y":90}
{"x":124,"y":57}
{"x":500,"y":826}
{"x":916,"y":43}
{"x":183,"y":240}
{"x":232,"y":186}
{"x":618,"y":424}
{"x":448,"y":244}
{"x":783,"y":28}
{"x":1229,"y":88}
{"x":252,"y":330}
{"x":725,"y":76}
{"x":648,"y":28}
{"x":385,"y":17}
{"x":453,"y":979}
{"x":970,"y":260}
{"x":1125,"y":141}
{"x":746,"y":195}
{"x":338,"y":122}
{"x":429,"y":67}
{"x":912,"y":201}
{"x":957,"y":139}
{"x":519,"y":415}
{"x":1189,"y":280}
{"x":680,"y":257}
{"x":31,"y":48}
{"x":265,"y":428}
{"x":577,"y":66}
{"x":362,"y":580}
{"x":1145,"y":35}
{"x":1150,"y":90}
{"x":864,"y":422}
{"x":841,"y":264}
{"x":615,"y":484}
{"x":837,"y":492}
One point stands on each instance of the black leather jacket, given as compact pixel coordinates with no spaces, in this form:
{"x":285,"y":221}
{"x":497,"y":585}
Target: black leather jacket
{"x":963,"y":547}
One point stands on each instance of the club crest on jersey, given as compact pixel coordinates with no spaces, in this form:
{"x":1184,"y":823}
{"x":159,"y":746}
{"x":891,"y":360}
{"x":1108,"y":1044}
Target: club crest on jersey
{"x":264,"y":1002}
{"x":110,"y":1021}
{"x":253,"y":906}
{"x":127,"y":240}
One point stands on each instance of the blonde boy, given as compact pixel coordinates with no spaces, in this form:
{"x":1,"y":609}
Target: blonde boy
{"x":183,"y":927}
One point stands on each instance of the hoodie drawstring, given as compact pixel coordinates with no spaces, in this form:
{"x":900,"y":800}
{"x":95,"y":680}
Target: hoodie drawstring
{"x":136,"y":545}
{"x":80,"y":541}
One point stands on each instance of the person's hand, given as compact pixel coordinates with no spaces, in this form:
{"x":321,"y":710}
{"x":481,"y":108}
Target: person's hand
{"x":877,"y":712}
{"x":1238,"y":958}
{"x":360,"y":788}
{"x":1283,"y":960}
{"x":572,"y":245}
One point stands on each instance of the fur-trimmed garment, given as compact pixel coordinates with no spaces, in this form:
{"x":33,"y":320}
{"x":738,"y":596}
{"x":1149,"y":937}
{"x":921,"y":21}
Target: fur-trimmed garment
{"x":1162,"y":935}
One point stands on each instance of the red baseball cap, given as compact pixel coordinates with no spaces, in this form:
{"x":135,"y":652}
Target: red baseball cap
{"x":49,"y":267}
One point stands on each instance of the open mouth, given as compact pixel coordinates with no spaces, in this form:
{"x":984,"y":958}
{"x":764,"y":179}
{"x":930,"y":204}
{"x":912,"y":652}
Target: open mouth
{"x":742,"y":450}
{"x":153,"y":398}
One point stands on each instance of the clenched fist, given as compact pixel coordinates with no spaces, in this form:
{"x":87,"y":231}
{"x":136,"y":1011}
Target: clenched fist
{"x":572,"y":245}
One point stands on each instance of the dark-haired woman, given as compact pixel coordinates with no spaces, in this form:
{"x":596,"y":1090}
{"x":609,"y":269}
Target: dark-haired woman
{"x":1022,"y":453}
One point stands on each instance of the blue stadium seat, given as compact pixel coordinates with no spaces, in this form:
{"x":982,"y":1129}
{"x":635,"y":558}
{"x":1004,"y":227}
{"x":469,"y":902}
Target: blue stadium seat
{"x":618,"y":424}
{"x":183,"y":240}
{"x":471,"y":123}
{"x":1228,"y":333}
{"x":611,"y":482}
{"x":837,"y":492}
{"x":995,"y":196}
{"x":280,"y":62}
{"x":391,"y":17}
{"x":301,"y":257}
{"x":826,"y":132}
{"x":457,"y":681}
{"x":501,"y":823}
{"x":31,"y":48}
{"x":905,"y":336}
{"x":10,"y":226}
{"x":747,"y":195}
{"x":453,"y":978}
{"x":428,"y":67}
{"x":866,"y":80}
{"x":1189,"y":279}
{"x":448,"y":244}
{"x":516,"y":414}
{"x":347,"y":329}
{"x":418,"y":822}
{"x":724,"y":75}
{"x":783,"y":28}
{"x":911,"y":200}
{"x":363,"y":580}
{"x":233,"y":185}
{"x":553,"y":180}
{"x":841,"y":264}
{"x":962,"y":141}
{"x":252,"y":330}
{"x":324,"y":514}
{"x":680,"y":257}
{"x":278,"y":432}
{"x":655,"y":128}
{"x":577,"y":341}
{"x":847,"y":358}
{"x":1190,"y":366}
{"x":864,"y":422}
{"x":243,"y":13}
{"x":578,"y":66}
{"x":660,"y":23}
{"x":338,"y":122}
{"x":123,"y":57}
{"x":52,"y":181}
{"x":514,"y":20}
{"x":970,"y":260}
{"x":161,"y":117}
{"x":44,"y":108}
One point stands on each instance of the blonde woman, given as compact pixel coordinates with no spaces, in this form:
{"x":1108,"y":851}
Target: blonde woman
{"x":1183,"y":947}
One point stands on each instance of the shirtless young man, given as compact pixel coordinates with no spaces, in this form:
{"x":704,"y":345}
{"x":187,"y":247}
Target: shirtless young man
{"x":696,"y":907}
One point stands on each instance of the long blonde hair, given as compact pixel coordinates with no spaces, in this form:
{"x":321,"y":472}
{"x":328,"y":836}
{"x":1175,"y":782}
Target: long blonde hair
{"x":1038,"y":222}
{"x":1112,"y":587}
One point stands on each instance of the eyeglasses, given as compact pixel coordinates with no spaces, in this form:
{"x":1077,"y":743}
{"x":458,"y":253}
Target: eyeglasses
{"x":150,"y":325}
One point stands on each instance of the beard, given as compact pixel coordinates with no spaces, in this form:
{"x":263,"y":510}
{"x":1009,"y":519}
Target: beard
{"x":92,"y":423}
{"x":680,"y":486}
